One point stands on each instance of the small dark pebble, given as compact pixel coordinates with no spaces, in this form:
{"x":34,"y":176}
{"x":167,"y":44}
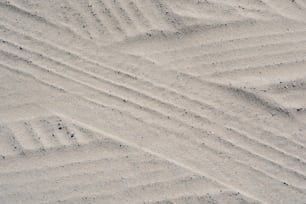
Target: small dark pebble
{"x":299,"y":109}
{"x":72,"y":135}
{"x":285,"y":183}
{"x":59,"y":128}
{"x":20,"y":48}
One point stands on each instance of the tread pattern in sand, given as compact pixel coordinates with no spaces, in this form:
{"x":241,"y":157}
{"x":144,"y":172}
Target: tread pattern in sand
{"x":114,"y":101}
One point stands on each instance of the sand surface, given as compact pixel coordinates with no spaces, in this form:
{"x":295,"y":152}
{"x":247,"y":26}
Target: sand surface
{"x":153,"y":101}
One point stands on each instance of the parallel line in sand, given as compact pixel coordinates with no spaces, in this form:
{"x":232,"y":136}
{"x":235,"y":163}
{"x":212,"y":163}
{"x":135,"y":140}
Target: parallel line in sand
{"x":136,"y":144}
{"x":99,"y":17}
{"x":174,"y":92}
{"x":75,"y":169}
{"x":24,"y":140}
{"x":252,"y":168}
{"x":58,"y":137}
{"x":109,"y":154}
{"x":229,"y":3}
{"x":260,"y":47}
{"x":70,"y":52}
{"x":158,"y":155}
{"x":156,"y":189}
{"x":47,"y":140}
{"x":38,"y":18}
{"x":281,"y":13}
{"x":245,"y":150}
{"x":247,"y":39}
{"x":156,"y":21}
{"x":71,"y":35}
{"x":91,"y":97}
{"x":43,"y":146}
{"x":35,"y":138}
{"x":77,"y":22}
{"x":266,"y":67}
{"x":243,"y":59}
{"x":103,"y":79}
{"x":188,"y":76}
{"x":115,"y":27}
{"x":119,"y":157}
{"x":98,"y":182}
{"x":197,"y":198}
{"x":136,"y":15}
{"x":195,"y":78}
{"x":13,"y":144}
{"x":124,"y":17}
{"x":167,"y":14}
{"x":92,"y":33}
{"x":97,"y":190}
{"x":95,"y":130}
{"x":142,"y":16}
{"x":115,"y":11}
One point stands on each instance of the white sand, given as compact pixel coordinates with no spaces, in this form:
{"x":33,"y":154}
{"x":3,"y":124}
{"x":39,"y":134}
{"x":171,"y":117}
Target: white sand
{"x":153,"y":101}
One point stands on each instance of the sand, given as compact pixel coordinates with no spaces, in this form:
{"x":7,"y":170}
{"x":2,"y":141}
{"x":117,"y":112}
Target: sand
{"x":153,"y":101}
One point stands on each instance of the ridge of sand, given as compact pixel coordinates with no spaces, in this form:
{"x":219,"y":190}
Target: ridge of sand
{"x":153,"y":101}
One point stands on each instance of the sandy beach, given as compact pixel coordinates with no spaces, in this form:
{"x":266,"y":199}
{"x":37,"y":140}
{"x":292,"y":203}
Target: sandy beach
{"x":153,"y":101}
